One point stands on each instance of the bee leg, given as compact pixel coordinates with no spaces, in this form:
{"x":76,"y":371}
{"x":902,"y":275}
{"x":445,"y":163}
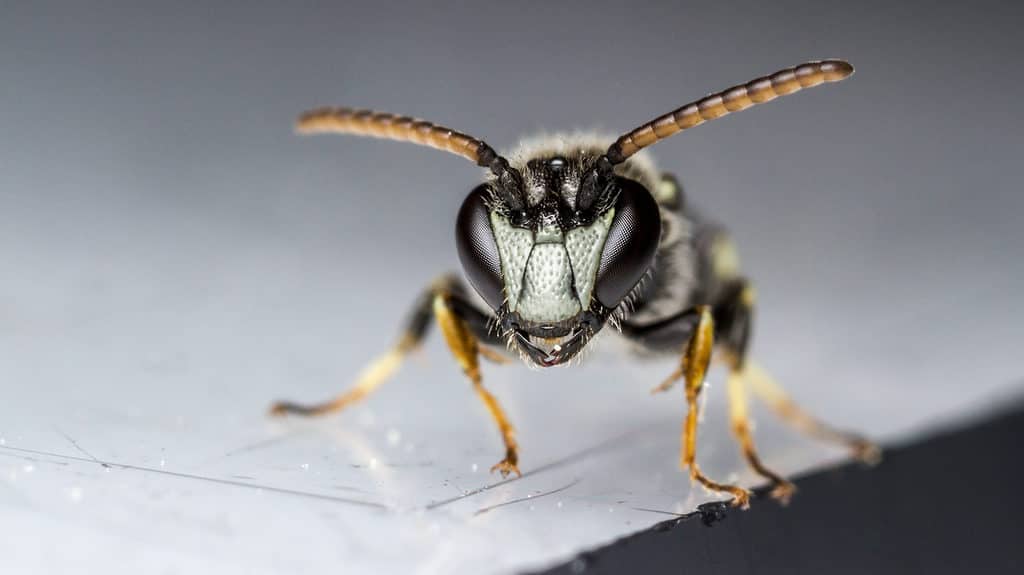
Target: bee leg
{"x":736,"y":315}
{"x":465,"y":347}
{"x":370,"y":378}
{"x":385,"y":365}
{"x":765,"y":387}
{"x":463,"y":327}
{"x":782,"y":490}
{"x":693,"y":369}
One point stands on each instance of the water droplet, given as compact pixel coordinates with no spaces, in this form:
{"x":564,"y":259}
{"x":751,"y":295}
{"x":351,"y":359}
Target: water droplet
{"x":394,"y":437}
{"x":3,"y":441}
{"x":305,"y":466}
{"x":373,"y":463}
{"x":558,"y":505}
{"x":474,"y":467}
{"x":75,"y":493}
{"x":163,"y":462}
{"x":28,"y":468}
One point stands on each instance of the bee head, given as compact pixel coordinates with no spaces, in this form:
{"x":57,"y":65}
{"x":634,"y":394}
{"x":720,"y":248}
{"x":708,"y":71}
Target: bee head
{"x":557,"y":254}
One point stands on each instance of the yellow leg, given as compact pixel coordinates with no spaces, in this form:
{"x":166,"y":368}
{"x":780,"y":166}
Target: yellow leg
{"x":374,"y":374}
{"x":436,"y":302}
{"x":781,"y":489}
{"x":466,"y":349}
{"x":693,"y":370}
{"x":771,"y":393}
{"x":383,"y":367}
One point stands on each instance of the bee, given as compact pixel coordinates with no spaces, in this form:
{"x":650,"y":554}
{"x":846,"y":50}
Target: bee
{"x":569,"y":236}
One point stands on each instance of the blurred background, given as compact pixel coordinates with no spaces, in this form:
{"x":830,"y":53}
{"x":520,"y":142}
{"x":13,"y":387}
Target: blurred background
{"x":173,"y":258}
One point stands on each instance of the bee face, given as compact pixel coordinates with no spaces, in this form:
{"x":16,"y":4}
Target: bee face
{"x":554,"y":270}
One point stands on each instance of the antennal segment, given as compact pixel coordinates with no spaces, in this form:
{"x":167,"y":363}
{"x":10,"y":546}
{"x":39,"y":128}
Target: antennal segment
{"x":407,"y":129}
{"x":734,"y":99}
{"x":393,"y":127}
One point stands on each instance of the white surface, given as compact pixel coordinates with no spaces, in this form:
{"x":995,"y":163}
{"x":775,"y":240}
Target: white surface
{"x":123,"y":454}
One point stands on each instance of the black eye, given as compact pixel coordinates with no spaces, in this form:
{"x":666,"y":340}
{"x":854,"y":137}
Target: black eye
{"x":631,"y":244}
{"x":478,"y":252}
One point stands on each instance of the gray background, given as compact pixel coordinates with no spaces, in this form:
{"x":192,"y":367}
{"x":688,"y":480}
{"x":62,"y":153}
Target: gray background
{"x":172,"y":258}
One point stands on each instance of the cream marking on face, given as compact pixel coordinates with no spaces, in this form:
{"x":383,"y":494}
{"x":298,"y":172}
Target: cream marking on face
{"x":514,"y":247}
{"x":548,"y":294}
{"x":584,"y":245}
{"x":550,"y":275}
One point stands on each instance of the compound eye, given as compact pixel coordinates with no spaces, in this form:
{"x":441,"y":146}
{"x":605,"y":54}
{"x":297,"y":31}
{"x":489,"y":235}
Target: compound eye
{"x":478,"y":251}
{"x":631,"y":243}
